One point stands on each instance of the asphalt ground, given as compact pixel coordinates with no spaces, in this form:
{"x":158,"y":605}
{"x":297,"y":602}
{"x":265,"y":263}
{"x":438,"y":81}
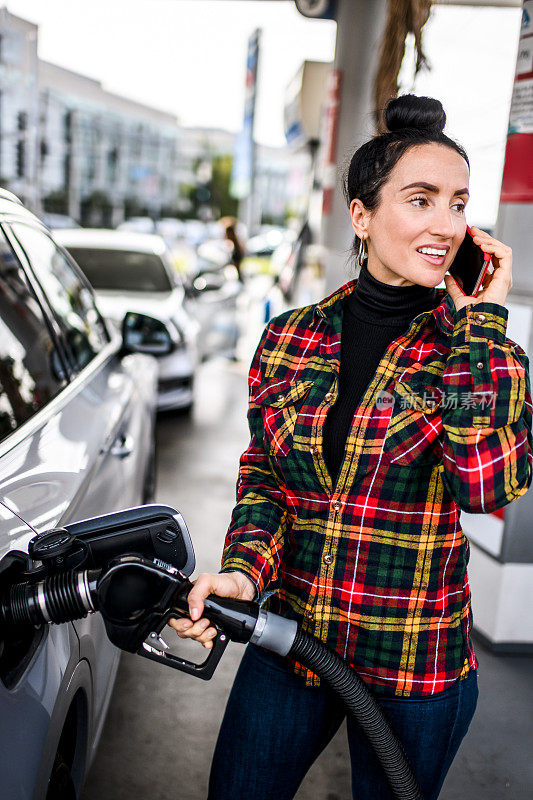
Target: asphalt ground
{"x":162,"y":725}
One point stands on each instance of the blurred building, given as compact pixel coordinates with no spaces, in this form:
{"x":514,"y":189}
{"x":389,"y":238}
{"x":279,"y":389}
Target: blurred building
{"x":19,"y":106}
{"x":109,"y":156}
{"x":69,"y":146}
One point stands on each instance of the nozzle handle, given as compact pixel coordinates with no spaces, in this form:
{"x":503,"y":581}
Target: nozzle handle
{"x":205,"y":669}
{"x":234,"y":620}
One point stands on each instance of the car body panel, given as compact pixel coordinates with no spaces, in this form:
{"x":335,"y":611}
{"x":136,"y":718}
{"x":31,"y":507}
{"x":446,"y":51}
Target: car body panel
{"x":63,"y":471}
{"x":85,"y":452}
{"x":46,"y":476}
{"x":26,"y":710}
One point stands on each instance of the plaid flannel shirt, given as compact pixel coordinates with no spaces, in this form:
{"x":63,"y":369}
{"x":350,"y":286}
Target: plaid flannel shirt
{"x":375,"y":563}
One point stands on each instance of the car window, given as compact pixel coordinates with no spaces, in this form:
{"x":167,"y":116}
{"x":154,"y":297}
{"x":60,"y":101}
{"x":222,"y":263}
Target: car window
{"x":31,"y":372}
{"x":122,"y":270}
{"x":70,"y":298}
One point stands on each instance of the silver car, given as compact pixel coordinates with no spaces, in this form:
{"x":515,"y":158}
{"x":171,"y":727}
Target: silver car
{"x":77,"y":408}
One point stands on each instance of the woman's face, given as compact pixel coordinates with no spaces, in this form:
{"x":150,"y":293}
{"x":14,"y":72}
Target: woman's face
{"x":415,"y":232}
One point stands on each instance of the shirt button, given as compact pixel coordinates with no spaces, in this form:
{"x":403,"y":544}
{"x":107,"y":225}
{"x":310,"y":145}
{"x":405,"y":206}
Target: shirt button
{"x":328,"y":397}
{"x":313,"y":450}
{"x":280,"y":397}
{"x":328,"y":559}
{"x":336,"y":505}
{"x":480,"y":364}
{"x":479,"y":317}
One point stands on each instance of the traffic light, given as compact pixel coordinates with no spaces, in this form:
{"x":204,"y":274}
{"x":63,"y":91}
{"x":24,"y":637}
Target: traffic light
{"x":21,"y":158}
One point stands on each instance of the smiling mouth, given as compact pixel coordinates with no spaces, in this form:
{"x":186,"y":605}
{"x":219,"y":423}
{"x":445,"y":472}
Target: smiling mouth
{"x":433,"y":255}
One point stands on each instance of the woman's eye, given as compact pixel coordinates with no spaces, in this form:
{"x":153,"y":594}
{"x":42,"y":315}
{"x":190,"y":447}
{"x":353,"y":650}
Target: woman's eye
{"x":419,"y":201}
{"x":460,"y":207}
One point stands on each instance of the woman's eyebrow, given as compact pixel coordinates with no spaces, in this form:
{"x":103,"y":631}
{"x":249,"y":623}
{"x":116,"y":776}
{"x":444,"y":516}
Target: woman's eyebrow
{"x":431,"y":188}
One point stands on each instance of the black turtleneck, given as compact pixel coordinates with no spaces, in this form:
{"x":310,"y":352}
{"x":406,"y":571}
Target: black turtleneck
{"x":374,"y":314}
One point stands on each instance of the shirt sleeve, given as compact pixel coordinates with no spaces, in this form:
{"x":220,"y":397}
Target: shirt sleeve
{"x":255,"y":538}
{"x":486,"y":412}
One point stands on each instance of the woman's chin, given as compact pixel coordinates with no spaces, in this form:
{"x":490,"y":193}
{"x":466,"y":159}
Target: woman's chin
{"x":430,"y":276}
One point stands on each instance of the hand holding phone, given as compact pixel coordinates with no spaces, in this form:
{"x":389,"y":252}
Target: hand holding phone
{"x":496,"y":284}
{"x":470,"y":265}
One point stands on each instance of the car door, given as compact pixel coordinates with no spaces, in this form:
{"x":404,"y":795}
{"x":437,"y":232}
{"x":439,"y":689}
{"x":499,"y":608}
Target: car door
{"x":90,"y":456}
{"x":37,"y":666}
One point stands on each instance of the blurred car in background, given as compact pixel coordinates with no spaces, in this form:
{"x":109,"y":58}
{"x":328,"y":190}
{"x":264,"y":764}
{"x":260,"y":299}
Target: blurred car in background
{"x":195,"y":232}
{"x":137,"y":225}
{"x":260,"y":250}
{"x":133,"y":272}
{"x":264,"y":244}
{"x":217,"y":295}
{"x":77,"y":410}
{"x":172,"y":230}
{"x":136,"y":271}
{"x":58,"y":221}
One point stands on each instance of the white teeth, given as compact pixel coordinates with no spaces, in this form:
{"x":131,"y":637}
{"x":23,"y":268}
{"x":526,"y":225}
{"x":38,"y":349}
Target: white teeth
{"x":432,"y":251}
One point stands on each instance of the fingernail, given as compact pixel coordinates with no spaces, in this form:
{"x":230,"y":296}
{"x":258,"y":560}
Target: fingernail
{"x":195,"y":613}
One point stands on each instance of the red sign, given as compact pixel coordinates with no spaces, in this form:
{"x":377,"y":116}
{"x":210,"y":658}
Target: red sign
{"x":330,"y":139}
{"x":517,"y":183}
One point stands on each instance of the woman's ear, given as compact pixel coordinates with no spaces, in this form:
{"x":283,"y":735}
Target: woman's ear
{"x":360,"y":217}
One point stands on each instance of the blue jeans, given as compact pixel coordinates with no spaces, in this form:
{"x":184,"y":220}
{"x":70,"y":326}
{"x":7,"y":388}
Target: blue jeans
{"x":275,"y":727}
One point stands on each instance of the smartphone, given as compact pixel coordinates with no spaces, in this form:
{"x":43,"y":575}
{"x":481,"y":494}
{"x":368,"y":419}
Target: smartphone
{"x":470,"y":264}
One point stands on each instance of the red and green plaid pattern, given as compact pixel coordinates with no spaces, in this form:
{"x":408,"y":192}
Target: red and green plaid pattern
{"x":375,"y":563}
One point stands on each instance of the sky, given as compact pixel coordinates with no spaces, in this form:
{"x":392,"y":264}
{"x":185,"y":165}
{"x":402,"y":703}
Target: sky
{"x":188,"y":57}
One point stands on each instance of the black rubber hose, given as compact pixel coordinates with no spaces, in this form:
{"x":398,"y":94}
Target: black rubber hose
{"x":352,"y":690}
{"x":63,"y":601}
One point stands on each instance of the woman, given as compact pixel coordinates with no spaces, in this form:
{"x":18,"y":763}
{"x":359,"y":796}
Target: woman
{"x":237,"y":250}
{"x":370,"y":431}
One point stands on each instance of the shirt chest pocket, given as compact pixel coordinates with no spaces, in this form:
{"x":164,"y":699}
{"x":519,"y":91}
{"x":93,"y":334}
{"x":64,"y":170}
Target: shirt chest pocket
{"x":282,"y":404}
{"x":415,"y":426}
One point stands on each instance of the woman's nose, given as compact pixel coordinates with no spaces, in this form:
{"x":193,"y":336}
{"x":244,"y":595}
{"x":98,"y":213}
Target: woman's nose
{"x":443,"y":223}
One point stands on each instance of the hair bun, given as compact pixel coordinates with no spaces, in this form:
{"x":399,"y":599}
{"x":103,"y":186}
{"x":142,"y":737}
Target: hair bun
{"x":424,"y":114}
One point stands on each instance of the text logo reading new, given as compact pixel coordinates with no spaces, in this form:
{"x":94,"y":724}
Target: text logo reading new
{"x":384,"y":400}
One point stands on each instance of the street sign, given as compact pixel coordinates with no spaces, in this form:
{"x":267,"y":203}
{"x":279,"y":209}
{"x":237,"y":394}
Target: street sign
{"x":243,"y":157}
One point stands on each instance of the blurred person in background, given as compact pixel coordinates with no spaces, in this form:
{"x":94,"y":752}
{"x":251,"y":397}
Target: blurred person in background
{"x":237,"y":252}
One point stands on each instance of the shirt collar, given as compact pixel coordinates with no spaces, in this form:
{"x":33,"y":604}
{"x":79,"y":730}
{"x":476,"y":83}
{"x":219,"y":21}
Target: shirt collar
{"x":330,"y":307}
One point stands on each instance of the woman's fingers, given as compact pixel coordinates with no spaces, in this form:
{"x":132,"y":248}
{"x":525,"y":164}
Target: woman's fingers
{"x":229,"y":584}
{"x":204,"y":585}
{"x":190,"y":630}
{"x":201,"y":631}
{"x":501,"y":256}
{"x":457,"y":294}
{"x":223,"y":584}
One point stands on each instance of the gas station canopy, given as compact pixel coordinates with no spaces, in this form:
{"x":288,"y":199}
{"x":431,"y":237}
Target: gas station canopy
{"x":496,"y":3}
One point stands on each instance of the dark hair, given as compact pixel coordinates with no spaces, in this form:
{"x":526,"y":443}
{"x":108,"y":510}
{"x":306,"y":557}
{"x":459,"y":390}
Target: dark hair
{"x":410,"y":121}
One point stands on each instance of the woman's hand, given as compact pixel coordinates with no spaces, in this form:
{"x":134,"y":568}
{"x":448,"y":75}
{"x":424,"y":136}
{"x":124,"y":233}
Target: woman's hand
{"x":223,"y":584}
{"x":496,"y":284}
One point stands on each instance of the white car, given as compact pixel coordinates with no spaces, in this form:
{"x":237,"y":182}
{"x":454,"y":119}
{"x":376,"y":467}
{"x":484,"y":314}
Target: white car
{"x":133,"y":272}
